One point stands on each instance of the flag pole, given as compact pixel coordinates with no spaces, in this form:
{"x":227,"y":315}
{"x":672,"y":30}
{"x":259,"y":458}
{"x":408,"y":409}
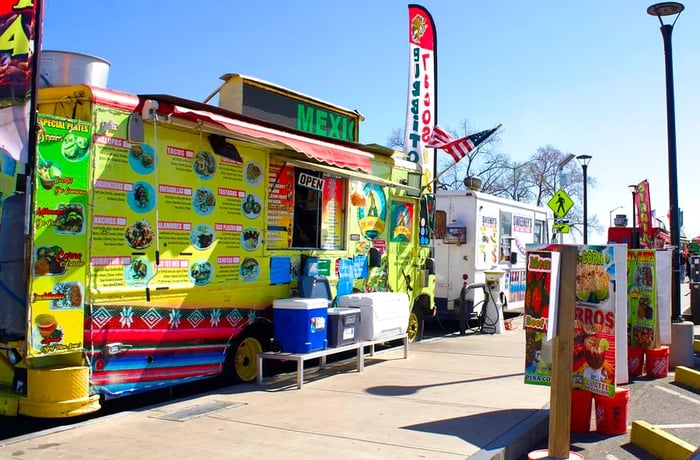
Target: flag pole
{"x":437,"y":176}
{"x":33,"y":125}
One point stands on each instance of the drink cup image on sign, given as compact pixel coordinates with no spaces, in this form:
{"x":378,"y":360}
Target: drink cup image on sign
{"x":48,"y":173}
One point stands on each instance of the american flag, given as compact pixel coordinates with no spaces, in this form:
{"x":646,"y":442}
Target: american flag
{"x":438,"y":138}
{"x":459,"y":148}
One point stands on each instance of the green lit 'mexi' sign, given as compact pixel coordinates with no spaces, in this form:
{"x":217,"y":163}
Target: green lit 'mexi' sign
{"x":298,"y":113}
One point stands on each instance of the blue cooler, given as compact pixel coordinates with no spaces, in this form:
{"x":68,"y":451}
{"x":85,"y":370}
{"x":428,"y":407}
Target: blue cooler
{"x":300,"y":324}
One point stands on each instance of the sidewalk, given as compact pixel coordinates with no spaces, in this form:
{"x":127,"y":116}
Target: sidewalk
{"x":454,"y":397}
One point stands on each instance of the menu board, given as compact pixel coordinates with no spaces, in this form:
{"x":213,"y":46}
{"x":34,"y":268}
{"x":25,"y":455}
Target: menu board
{"x":59,"y":255}
{"x":174,"y":214}
{"x":332,"y":213}
{"x":487,"y":240}
{"x":280,"y":206}
{"x":280,"y":212}
{"x":595,"y":357}
{"x":540,"y":299}
{"x":595,"y":349}
{"x":641,"y":297}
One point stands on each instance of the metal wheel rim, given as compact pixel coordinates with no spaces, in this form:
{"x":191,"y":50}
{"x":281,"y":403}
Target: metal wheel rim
{"x":246,"y":358}
{"x":412,"y":326}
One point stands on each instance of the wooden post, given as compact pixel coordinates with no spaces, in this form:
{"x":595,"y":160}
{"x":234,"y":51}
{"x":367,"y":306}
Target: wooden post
{"x":562,"y":357}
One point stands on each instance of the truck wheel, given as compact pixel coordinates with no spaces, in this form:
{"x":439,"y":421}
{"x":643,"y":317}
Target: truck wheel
{"x":241,"y":365}
{"x":415,"y":324}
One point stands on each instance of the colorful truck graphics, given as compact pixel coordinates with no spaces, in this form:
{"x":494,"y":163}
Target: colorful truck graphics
{"x":162,"y":231}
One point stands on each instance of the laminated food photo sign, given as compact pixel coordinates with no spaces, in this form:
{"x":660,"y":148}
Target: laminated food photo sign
{"x":541,"y":296}
{"x":598,"y":318}
{"x":642,"y":298}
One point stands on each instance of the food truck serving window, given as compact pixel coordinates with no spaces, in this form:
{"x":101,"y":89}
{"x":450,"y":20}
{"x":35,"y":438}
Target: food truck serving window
{"x":306,"y":209}
{"x":506,"y":230}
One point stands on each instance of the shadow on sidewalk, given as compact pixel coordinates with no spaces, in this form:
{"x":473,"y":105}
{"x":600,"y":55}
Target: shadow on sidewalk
{"x":402,"y":390}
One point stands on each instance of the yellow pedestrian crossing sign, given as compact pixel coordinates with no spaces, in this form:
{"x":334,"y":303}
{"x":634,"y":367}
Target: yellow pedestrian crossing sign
{"x":560,"y":203}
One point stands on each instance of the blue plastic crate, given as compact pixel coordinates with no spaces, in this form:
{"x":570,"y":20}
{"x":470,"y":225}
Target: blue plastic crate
{"x":300,"y":324}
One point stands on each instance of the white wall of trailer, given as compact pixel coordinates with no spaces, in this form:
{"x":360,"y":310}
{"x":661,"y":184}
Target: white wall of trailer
{"x":496,"y":228}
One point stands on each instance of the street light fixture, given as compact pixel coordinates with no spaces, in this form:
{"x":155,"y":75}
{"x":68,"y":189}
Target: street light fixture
{"x":584,"y":160}
{"x":635,"y":239}
{"x":660,"y":10}
{"x":612,"y":211}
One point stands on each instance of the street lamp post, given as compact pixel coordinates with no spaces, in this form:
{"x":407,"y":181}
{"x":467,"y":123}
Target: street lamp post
{"x":584,"y":160}
{"x":660,"y":10}
{"x":635,"y":239}
{"x":612,"y":211}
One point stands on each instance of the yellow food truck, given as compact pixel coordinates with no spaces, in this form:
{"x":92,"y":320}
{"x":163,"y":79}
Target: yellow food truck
{"x":161,"y":230}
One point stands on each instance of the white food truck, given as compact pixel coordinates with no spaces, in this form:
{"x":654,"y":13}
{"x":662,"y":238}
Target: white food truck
{"x":476,"y":233}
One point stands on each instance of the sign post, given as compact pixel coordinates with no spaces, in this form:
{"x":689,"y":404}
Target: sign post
{"x":560,"y":203}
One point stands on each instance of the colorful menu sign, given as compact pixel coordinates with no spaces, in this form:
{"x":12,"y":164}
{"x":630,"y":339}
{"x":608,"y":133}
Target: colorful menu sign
{"x":280,"y":206}
{"x":59,"y":236}
{"x":594,"y":362}
{"x":641,"y":297}
{"x":487,"y":240}
{"x":594,"y":328}
{"x":540,"y":294}
{"x":173,"y":215}
{"x":332,"y":200}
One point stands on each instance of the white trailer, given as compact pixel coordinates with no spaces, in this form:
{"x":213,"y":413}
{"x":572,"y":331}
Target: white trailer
{"x":476,"y":232}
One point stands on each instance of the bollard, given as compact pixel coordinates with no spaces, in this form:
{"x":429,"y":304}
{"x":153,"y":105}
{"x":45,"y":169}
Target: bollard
{"x":682,"y":353}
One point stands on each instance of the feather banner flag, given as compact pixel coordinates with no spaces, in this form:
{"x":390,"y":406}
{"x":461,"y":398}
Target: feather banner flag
{"x":421,"y":109}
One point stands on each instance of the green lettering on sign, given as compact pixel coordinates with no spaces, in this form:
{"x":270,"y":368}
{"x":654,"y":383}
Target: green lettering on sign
{"x":324,"y":123}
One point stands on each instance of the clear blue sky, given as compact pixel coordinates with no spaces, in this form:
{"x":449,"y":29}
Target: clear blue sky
{"x":584,"y":77}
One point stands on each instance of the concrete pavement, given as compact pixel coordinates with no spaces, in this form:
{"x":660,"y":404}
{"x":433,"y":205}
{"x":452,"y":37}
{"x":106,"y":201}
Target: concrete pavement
{"x":453,"y":398}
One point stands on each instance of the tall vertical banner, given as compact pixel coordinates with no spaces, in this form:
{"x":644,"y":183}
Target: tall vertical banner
{"x":18,"y":25}
{"x":644,"y":224}
{"x":421,"y":111}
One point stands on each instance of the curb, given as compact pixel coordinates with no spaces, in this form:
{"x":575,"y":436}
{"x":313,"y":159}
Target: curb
{"x":658,"y":442}
{"x":687,"y":377}
{"x":518,"y":441}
